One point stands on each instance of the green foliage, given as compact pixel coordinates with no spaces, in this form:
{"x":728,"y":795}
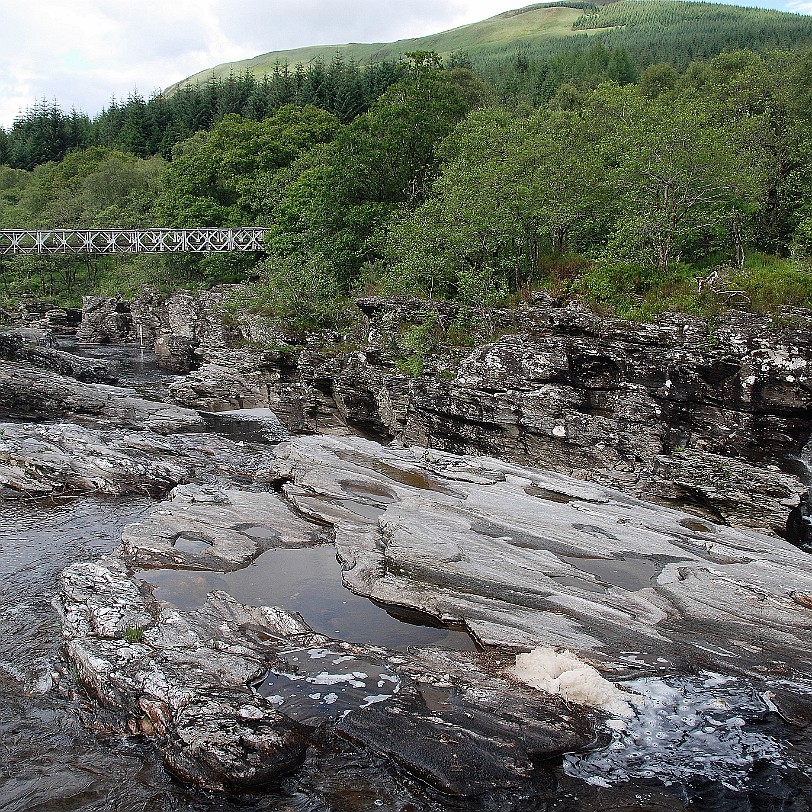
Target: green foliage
{"x":134,"y":634}
{"x":297,"y":291}
{"x":219,"y":178}
{"x":153,"y":127}
{"x":771,"y":283}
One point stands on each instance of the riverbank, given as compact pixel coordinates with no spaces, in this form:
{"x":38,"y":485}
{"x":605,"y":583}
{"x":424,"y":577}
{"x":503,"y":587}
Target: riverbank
{"x":697,"y":629}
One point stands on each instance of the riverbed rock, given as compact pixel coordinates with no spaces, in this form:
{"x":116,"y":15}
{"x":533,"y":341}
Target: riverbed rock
{"x":524,"y":557}
{"x":560,"y":387}
{"x":297,"y":385}
{"x":105,"y":320}
{"x":38,"y":348}
{"x":214,"y":528}
{"x":232,"y":695}
{"x":182,"y":681}
{"x":179,"y":323}
{"x":64,"y":458}
{"x":30,"y":393}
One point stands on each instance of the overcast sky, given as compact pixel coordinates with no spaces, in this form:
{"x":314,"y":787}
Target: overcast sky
{"x":85,"y":52}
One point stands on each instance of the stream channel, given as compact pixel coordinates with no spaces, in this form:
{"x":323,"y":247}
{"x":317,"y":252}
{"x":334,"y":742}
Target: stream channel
{"x":56,"y":752}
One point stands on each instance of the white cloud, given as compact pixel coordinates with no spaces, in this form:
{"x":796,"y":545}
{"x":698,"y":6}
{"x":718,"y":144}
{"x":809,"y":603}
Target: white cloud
{"x":85,"y":52}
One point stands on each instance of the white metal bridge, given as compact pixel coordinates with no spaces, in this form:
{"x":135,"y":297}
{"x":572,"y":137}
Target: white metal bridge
{"x":131,"y":241}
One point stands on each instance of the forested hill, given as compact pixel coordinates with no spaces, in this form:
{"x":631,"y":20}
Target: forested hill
{"x":586,"y":171}
{"x":649,"y":31}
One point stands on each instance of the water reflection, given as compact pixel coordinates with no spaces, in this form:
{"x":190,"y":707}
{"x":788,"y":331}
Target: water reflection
{"x":307,"y":581}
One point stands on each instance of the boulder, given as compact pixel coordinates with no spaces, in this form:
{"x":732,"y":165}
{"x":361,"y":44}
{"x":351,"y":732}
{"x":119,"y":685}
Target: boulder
{"x":59,"y":458}
{"x":38,"y":348}
{"x":105,"y":320}
{"x":28,"y":393}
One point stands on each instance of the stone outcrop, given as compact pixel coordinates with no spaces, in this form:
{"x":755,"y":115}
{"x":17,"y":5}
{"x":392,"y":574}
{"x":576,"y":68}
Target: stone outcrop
{"x":29,"y":393}
{"x":193,"y":684}
{"x":43,"y":316}
{"x":217,"y":529}
{"x":654,"y":409}
{"x":233,"y":696}
{"x":524,"y":558}
{"x":105,"y":320}
{"x":672,"y":411}
{"x":179,"y":323}
{"x":182,"y":681}
{"x":38,"y":348}
{"x":64,"y":458}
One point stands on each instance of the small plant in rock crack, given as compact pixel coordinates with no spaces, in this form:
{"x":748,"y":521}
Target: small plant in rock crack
{"x":133,"y":634}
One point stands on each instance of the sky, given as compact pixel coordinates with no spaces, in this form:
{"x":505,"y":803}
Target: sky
{"x":83,"y":53}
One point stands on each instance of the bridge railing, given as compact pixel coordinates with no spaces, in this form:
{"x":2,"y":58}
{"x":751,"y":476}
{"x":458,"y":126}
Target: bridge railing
{"x":131,"y":241}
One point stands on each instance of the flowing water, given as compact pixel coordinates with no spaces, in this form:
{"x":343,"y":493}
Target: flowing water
{"x":56,"y":753}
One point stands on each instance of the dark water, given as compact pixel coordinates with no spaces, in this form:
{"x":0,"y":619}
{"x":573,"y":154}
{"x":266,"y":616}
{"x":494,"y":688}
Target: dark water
{"x":307,"y":581}
{"x":134,"y":366}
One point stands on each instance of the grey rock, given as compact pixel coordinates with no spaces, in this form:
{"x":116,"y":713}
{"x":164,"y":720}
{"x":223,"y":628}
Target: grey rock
{"x":522,"y":558}
{"x":39,"y":349}
{"x":61,"y":458}
{"x":27,"y":392}
{"x":181,"y":680}
{"x":105,"y":320}
{"x":214,"y":529}
{"x":454,"y":726}
{"x":184,"y":681}
{"x":181,"y":322}
{"x":595,"y":398}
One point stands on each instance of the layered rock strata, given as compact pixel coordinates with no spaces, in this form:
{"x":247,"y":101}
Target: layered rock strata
{"x":28,"y":392}
{"x":232,"y":696}
{"x":524,"y":558}
{"x":710,"y":416}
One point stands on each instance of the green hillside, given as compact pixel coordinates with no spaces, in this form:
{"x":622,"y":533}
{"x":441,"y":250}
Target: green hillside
{"x":528,"y":26}
{"x":649,"y":30}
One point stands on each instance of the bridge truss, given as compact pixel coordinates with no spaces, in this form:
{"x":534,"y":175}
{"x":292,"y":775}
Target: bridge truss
{"x":131,"y":241}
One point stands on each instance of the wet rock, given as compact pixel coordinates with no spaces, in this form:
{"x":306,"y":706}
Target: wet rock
{"x":38,"y":348}
{"x":105,"y":320}
{"x":62,"y":458}
{"x":730,"y":490}
{"x":524,"y":558}
{"x":215,"y":529}
{"x":181,"y":680}
{"x":184,"y":680}
{"x":259,"y":424}
{"x":294,"y":384}
{"x":183,"y":321}
{"x":44,"y":316}
{"x":27,"y":392}
{"x":455,"y":727}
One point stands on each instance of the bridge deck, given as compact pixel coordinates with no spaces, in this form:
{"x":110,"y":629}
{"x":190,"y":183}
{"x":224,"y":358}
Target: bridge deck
{"x":131,"y":241}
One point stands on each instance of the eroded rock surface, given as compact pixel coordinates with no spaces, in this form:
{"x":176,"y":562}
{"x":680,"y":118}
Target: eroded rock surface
{"x":188,"y":682}
{"x":38,"y":348}
{"x":65,"y":458}
{"x":30,"y":393}
{"x":105,"y":320}
{"x":182,"y":681}
{"x":600,"y":399}
{"x":525,"y":558}
{"x":215,"y":529}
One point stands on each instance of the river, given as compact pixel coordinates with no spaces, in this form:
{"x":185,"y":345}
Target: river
{"x":58,"y":753}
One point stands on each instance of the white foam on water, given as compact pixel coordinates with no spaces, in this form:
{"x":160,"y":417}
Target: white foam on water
{"x":564,"y":674}
{"x":371,"y":700}
{"x":682,"y":728}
